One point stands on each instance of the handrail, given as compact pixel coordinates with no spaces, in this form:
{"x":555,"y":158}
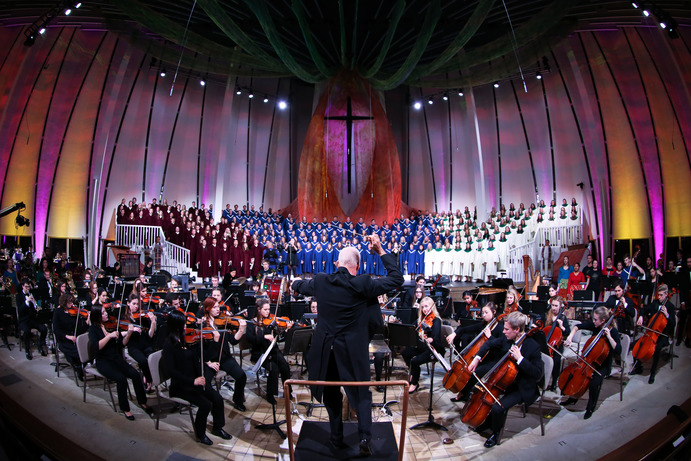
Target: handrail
{"x":174,"y":257}
{"x":299,"y":382}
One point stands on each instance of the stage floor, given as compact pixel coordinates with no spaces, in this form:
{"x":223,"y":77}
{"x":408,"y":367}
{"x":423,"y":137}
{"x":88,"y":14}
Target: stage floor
{"x":32,"y":386}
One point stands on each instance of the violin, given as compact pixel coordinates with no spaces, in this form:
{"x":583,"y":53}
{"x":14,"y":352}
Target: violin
{"x":112,"y":305}
{"x":428,"y":321}
{"x":151,"y":299}
{"x":74,"y":312}
{"x":494,"y":383}
{"x":113,"y":324}
{"x":644,"y":348}
{"x":193,"y":335}
{"x":575,"y":378}
{"x":280,"y":322}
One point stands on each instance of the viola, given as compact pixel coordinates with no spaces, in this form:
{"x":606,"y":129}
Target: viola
{"x":644,"y":348}
{"x":457,"y":378}
{"x":494,"y":383}
{"x":575,"y":378}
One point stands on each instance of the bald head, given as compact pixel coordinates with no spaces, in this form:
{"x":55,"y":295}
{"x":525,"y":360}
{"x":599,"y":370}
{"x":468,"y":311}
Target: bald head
{"x":349,"y":258}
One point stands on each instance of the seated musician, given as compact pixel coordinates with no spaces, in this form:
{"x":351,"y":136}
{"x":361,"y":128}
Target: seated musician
{"x":27,"y":319}
{"x":111,"y":363}
{"x":261,"y":336}
{"x":183,"y":367}
{"x":470,"y":303}
{"x":217,"y":354}
{"x":464,"y":335}
{"x":511,"y":302}
{"x":311,"y":322}
{"x":666,"y":308}
{"x":429,"y":330}
{"x":140,"y":343}
{"x":524,"y":388}
{"x":600,"y":317}
{"x":266,"y":270}
{"x":66,"y":329}
{"x":556,"y":314}
{"x":625,"y":322}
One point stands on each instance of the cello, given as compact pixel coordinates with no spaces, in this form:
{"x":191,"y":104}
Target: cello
{"x":575,"y":378}
{"x":459,"y":375}
{"x":644,"y":348}
{"x":553,"y":334}
{"x":495,"y":382}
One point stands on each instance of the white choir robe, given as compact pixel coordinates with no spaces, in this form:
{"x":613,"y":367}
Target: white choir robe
{"x":503,"y":253}
{"x":478,"y":266}
{"x":430,"y":260}
{"x":457,"y":263}
{"x":492,"y":260}
{"x":467,"y":260}
{"x":446,"y":266}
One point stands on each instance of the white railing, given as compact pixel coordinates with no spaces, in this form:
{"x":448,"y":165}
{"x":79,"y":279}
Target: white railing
{"x":175,"y":259}
{"x":560,"y":238}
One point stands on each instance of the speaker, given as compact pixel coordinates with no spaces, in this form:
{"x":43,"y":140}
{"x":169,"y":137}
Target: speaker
{"x":583,"y":295}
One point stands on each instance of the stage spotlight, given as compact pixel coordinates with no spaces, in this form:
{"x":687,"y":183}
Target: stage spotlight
{"x":417,"y":105}
{"x":634,"y":4}
{"x":78,"y":5}
{"x":663,"y":25}
{"x":430,"y":101}
{"x":251,"y":95}
{"x":42,"y":30}
{"x":538,"y":75}
{"x":30,"y":40}
{"x":646,"y":13}
{"x":22,"y":221}
{"x":68,"y":12}
{"x":445,"y":97}
{"x":282,"y":105}
{"x":202,"y":82}
{"x":496,"y":84}
{"x":163,"y":73}
{"x":460,"y":92}
{"x":266,"y":100}
{"x":238,"y":91}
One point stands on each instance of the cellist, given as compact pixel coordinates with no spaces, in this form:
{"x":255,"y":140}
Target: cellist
{"x":600,"y":317}
{"x":666,"y":308}
{"x":463,"y":335}
{"x":556,"y":314}
{"x":524,"y":388}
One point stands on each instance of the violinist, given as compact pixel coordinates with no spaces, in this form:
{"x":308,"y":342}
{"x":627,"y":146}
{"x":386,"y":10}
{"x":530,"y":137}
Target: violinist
{"x":511,"y":302}
{"x":429,"y":331}
{"x":62,"y":288}
{"x":140,"y":343}
{"x":260,"y":336}
{"x":556,"y":315}
{"x":92,"y":297}
{"x":465,"y":334}
{"x":111,"y":363}
{"x":66,"y":328}
{"x":183,"y":367}
{"x":663,"y":306}
{"x":611,"y":335}
{"x":623,"y":323}
{"x":27,"y":312}
{"x":313,"y":310}
{"x":101,"y":297}
{"x":414,"y":305}
{"x":217,"y":352}
{"x":470,"y":303}
{"x":524,"y":388}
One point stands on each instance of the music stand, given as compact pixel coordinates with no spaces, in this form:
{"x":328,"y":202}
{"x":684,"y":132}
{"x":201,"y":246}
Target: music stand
{"x":293,"y":310}
{"x":275,"y":425}
{"x":401,"y":335}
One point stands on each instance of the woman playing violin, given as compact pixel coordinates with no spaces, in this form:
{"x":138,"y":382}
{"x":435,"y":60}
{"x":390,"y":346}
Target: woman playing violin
{"x":429,"y":330}
{"x":140,"y":343}
{"x":261,"y":337}
{"x":101,"y":297}
{"x":217,"y":353}
{"x":524,"y":388}
{"x":611,"y":335}
{"x":92,"y":298}
{"x":464,"y":335}
{"x":664,"y":307}
{"x":186,"y":382}
{"x":556,"y":314}
{"x":111,"y":363}
{"x":66,"y":328}
{"x":511,"y":302}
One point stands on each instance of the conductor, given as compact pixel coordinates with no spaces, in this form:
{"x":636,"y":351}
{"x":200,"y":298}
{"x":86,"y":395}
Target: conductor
{"x":339,"y":350}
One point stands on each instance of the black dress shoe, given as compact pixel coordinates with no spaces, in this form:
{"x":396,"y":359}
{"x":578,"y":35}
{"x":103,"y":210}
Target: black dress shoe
{"x":240,"y":406}
{"x":492,"y":440}
{"x":379,"y":388}
{"x":365,"y":448}
{"x":651,"y":380}
{"x":338,"y":444}
{"x":205,"y":440}
{"x":221,"y":433}
{"x":569,"y":401}
{"x":637,"y":370}
{"x":130,"y":417}
{"x":149,"y":411}
{"x":29,"y":356}
{"x":588,"y":414}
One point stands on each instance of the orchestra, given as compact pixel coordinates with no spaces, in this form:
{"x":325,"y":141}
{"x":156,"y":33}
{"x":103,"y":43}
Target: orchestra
{"x":197,"y":337}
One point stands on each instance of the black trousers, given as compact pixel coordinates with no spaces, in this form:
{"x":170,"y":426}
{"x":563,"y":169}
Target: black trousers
{"x":275,"y":364}
{"x":231,"y":367}
{"x":120,"y":371}
{"x":497,"y":415}
{"x":207,"y":400}
{"x":415,"y":357}
{"x":360,"y":398}
{"x":662,"y":342}
{"x":594,"y":391}
{"x":33,"y":324}
{"x":141,"y":357}
{"x":69,"y":349}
